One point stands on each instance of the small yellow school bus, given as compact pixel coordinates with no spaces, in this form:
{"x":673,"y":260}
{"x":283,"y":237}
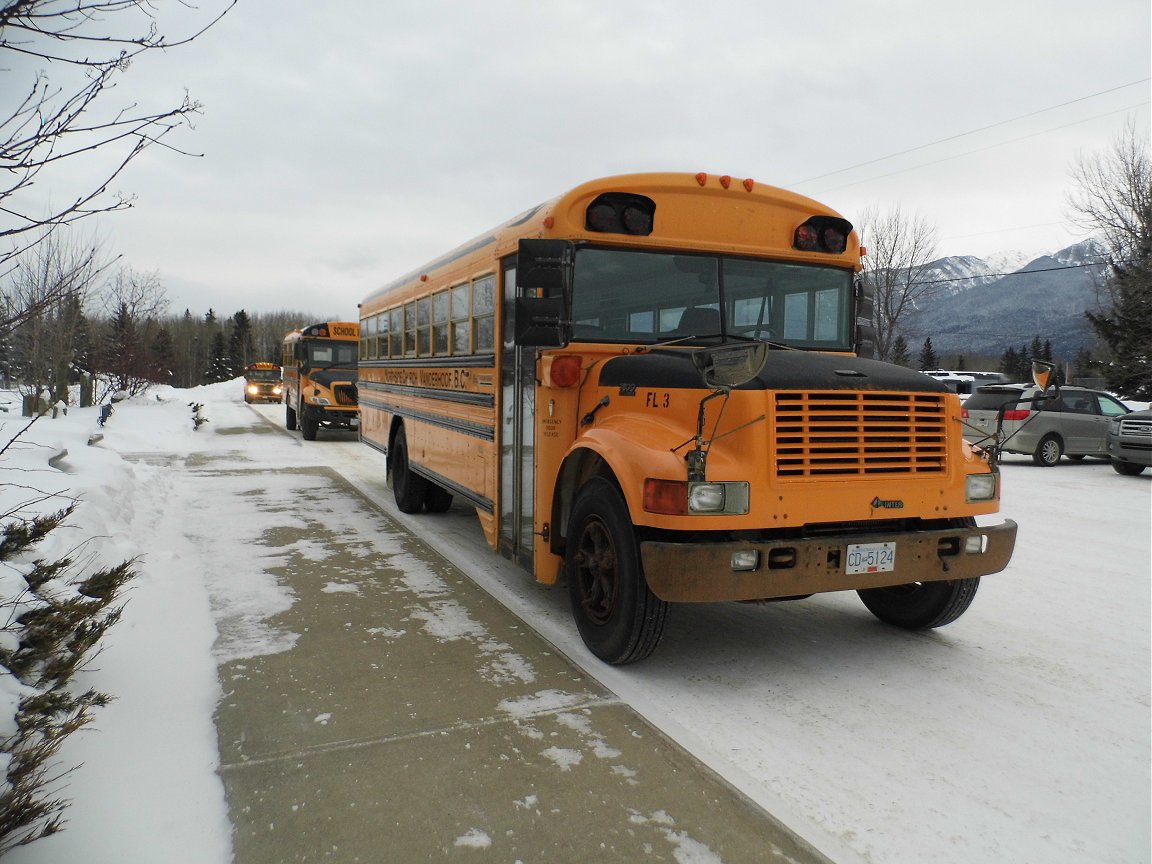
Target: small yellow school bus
{"x":262,"y":382}
{"x":319,"y":364}
{"x":656,"y":387}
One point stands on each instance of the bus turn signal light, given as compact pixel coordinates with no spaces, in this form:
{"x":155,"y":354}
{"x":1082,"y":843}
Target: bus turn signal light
{"x":566,"y":369}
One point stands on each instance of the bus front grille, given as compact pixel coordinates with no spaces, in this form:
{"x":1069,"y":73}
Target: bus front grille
{"x":345,"y":394}
{"x":852,"y":433}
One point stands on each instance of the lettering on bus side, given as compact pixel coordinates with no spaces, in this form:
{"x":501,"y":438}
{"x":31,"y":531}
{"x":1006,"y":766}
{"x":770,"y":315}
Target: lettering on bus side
{"x":654,"y":399}
{"x":435,"y":379}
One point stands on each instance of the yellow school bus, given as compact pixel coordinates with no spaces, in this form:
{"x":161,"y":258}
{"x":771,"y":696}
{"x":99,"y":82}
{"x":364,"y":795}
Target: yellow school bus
{"x":262,"y":382}
{"x":319,"y":363}
{"x":655,"y":388}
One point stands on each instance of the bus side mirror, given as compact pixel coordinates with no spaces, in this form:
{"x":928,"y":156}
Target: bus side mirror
{"x":545,"y":264}
{"x":543,"y":267}
{"x":1044,"y":375}
{"x":540,"y":322}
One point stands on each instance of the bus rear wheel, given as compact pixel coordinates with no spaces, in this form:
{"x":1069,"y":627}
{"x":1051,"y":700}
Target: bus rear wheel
{"x":437,"y":499}
{"x":618,"y":616}
{"x":408,"y":488}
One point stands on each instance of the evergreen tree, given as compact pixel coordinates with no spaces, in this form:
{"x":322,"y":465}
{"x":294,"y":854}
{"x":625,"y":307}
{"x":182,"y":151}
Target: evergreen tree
{"x":1127,"y":331}
{"x":219,"y":366}
{"x":928,"y":358}
{"x":241,"y":349}
{"x":899,"y":353}
{"x":1010,"y":364}
{"x":1036,"y":350}
{"x":163,"y":357}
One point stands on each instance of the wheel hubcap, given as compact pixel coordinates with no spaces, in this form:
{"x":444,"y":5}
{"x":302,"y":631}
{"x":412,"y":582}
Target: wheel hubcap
{"x":596,"y":571}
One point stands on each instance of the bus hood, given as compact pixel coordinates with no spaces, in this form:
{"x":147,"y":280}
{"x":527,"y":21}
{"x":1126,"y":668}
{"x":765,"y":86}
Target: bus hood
{"x":672,"y":369}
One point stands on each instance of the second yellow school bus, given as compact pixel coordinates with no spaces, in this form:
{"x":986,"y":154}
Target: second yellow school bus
{"x":650,"y":386}
{"x":319,"y":365}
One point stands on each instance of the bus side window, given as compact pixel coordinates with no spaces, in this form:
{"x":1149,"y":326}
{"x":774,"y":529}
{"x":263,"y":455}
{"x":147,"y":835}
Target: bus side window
{"x":484,"y":313}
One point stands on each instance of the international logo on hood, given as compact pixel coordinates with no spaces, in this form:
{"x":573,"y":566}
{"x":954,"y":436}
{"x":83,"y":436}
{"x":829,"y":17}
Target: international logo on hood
{"x":879,"y":503}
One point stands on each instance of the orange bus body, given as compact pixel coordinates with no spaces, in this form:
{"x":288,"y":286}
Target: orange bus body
{"x":818,"y":471}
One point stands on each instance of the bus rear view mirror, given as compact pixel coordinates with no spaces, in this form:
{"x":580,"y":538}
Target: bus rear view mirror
{"x":545,"y":264}
{"x":540,"y":322}
{"x":726,"y":366}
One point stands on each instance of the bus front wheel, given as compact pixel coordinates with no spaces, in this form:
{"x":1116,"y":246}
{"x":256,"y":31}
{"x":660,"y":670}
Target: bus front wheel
{"x":289,"y":417}
{"x":408,"y":488}
{"x":618,"y":616}
{"x":309,"y":423}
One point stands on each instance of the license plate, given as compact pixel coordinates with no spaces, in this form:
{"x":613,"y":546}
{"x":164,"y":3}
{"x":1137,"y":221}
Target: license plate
{"x":870,"y":558}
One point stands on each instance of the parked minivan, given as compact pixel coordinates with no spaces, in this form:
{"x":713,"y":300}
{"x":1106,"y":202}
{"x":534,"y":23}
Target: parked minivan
{"x":1073,"y":422}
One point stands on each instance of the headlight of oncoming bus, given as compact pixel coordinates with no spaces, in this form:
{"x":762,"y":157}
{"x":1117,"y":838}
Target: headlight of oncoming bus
{"x":981,"y":487}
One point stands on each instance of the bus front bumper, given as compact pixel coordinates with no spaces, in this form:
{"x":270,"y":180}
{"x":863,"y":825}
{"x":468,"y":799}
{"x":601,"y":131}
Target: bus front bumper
{"x":704,"y":572}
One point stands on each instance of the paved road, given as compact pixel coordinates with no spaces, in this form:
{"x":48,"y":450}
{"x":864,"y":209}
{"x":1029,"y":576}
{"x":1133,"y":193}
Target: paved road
{"x":403,"y":715}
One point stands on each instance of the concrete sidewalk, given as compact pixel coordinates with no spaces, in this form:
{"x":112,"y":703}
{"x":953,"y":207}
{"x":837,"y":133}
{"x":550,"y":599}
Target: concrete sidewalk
{"x":416,"y":719}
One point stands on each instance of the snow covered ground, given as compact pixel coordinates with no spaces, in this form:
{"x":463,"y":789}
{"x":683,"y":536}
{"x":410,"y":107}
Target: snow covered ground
{"x":1018,"y":734}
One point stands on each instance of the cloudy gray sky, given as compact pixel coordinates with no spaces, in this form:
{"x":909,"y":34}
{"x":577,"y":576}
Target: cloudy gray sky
{"x":345,"y":143}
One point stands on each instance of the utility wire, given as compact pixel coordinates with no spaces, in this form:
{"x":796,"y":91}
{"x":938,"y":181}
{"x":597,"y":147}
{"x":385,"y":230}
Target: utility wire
{"x":982,"y":149}
{"x":970,"y":132}
{"x":1014,"y":273}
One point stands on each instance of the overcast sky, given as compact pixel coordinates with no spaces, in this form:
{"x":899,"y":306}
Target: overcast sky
{"x":346,"y":143}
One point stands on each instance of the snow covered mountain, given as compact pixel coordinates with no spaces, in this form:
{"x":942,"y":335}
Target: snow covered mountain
{"x":983,"y":306}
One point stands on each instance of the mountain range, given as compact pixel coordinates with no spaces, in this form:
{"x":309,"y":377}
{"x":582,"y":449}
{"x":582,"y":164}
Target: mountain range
{"x":982,"y":307}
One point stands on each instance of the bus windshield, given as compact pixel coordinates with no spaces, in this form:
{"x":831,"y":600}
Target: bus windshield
{"x":327,"y":353}
{"x":262,"y":374}
{"x":648,"y":297}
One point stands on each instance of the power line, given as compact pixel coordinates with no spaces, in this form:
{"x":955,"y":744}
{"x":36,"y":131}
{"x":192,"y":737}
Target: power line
{"x":970,"y":132}
{"x":1013,"y":273}
{"x":987,"y":147}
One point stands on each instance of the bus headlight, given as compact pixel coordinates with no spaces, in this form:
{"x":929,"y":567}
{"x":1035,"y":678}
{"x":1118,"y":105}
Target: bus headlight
{"x":706,"y":497}
{"x":320,"y":400}
{"x":982,"y":487}
{"x":677,"y":498}
{"x":252,"y":389}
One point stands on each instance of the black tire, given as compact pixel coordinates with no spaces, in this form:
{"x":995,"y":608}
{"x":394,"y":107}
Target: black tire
{"x":921,"y":605}
{"x":618,"y":616}
{"x":408,"y":488}
{"x":309,"y":423}
{"x":1048,"y":451}
{"x":289,"y":417}
{"x":1128,"y":469}
{"x":437,"y":499}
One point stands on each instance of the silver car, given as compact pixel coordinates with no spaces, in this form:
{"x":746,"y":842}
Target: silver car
{"x":1130,"y":442}
{"x":1073,"y":422}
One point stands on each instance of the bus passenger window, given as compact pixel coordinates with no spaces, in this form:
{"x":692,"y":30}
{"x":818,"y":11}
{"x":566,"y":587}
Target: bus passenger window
{"x":440,"y":323}
{"x":484,"y":313}
{"x":461,"y":331}
{"x":396,"y":332}
{"x":409,"y":329}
